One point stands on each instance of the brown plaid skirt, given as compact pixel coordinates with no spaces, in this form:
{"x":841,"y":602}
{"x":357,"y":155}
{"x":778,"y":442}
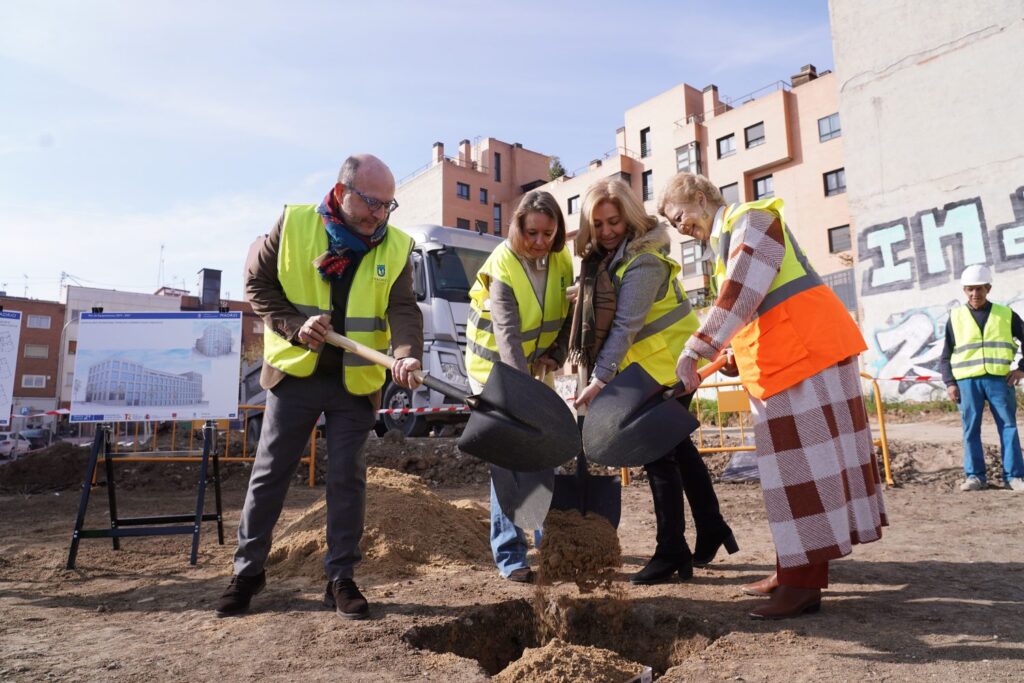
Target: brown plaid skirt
{"x":821,"y":484}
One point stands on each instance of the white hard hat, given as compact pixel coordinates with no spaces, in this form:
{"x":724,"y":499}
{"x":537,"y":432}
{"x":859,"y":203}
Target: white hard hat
{"x":978,"y":274}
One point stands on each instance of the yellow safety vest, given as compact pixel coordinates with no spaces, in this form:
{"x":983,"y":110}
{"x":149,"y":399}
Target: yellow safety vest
{"x":303,"y":239}
{"x":540,"y":321}
{"x":982,"y":352}
{"x":801,"y":326}
{"x":669,"y":323}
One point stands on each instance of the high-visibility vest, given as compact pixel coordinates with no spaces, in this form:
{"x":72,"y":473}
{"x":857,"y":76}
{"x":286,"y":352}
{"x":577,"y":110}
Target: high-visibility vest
{"x":303,"y":239}
{"x":669,"y":323}
{"x":977,"y":352}
{"x":801,"y":326}
{"x":540,"y":321}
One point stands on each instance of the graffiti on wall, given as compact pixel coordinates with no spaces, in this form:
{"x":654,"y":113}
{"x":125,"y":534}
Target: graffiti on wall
{"x":926,"y":250}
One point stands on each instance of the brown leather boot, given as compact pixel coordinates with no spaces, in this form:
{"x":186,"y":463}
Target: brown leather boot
{"x":787,"y":602}
{"x":762,"y":588}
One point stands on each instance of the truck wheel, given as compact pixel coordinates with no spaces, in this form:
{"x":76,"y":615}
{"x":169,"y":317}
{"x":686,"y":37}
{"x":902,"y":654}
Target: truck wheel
{"x":395,"y":398}
{"x":252,"y":432}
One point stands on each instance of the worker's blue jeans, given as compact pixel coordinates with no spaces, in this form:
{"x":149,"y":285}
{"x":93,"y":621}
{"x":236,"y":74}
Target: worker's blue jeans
{"x":1002,"y":399}
{"x":508,"y":542}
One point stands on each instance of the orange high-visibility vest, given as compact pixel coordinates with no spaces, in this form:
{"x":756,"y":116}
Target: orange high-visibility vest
{"x":801,"y":326}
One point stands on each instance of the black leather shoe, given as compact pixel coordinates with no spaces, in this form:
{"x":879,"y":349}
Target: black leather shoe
{"x":662,"y":570}
{"x":521,"y":575}
{"x":344,"y":597}
{"x":708,"y":544}
{"x":237,"y":597}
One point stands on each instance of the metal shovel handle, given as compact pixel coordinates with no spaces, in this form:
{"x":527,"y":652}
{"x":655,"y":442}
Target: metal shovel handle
{"x":375,"y":356}
{"x":705,"y":372}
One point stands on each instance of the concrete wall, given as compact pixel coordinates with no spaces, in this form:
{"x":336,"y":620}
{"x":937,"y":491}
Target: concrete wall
{"x":931,"y":104}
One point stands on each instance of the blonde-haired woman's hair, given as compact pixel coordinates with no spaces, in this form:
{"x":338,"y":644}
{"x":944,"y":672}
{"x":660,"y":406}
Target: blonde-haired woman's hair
{"x":535,"y":201}
{"x":638,"y":222}
{"x":683,"y":189}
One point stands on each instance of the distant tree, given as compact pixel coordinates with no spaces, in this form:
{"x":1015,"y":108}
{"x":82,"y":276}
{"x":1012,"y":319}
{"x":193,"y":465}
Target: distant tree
{"x":556,"y":170}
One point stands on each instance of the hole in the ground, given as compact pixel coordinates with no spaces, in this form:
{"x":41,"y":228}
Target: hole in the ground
{"x":649,"y":634}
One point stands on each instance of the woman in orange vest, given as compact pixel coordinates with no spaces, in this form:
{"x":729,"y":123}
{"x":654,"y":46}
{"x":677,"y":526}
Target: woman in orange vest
{"x":795,"y":349}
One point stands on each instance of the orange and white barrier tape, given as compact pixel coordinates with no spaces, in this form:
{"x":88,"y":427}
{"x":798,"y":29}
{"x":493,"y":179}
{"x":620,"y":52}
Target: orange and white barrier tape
{"x":422,"y":411}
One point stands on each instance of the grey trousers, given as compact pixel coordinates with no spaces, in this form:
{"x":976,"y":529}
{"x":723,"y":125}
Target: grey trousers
{"x":293,"y":407}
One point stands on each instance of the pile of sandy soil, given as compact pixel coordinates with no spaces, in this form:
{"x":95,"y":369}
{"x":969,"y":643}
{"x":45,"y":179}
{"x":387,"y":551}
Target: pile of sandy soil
{"x":560,"y":661}
{"x":61,"y":466}
{"x":407,"y":527}
{"x":937,"y":464}
{"x":577,"y":548}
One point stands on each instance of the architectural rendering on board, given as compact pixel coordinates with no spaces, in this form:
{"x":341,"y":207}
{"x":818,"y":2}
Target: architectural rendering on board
{"x":120,"y":382}
{"x":216,"y":341}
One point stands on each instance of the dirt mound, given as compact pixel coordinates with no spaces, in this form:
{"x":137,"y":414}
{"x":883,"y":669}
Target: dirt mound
{"x":937,"y":464}
{"x":61,"y":466}
{"x":560,"y":661}
{"x":407,"y":527}
{"x":578,"y":548}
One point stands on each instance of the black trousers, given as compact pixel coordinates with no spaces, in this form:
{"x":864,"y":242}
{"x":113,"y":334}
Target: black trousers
{"x":682,"y":469}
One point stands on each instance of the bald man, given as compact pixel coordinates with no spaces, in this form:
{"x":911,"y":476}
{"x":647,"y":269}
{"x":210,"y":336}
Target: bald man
{"x":337,"y":266}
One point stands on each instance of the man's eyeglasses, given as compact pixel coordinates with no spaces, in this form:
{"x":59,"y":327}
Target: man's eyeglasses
{"x":374,"y":204}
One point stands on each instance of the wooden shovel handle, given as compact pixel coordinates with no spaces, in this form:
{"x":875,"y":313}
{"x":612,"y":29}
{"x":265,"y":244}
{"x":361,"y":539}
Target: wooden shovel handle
{"x":363,"y":351}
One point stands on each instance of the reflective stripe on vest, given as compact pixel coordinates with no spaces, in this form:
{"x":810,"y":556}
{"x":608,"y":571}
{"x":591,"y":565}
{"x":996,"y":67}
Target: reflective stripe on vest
{"x":303,"y":238}
{"x":800,"y":327}
{"x":982,"y":352}
{"x":539,"y":321}
{"x":669,"y":323}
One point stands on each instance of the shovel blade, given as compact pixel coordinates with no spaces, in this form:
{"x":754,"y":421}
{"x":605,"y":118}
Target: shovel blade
{"x":601,"y":495}
{"x":631,"y":424}
{"x":524,"y":497}
{"x":520,"y":424}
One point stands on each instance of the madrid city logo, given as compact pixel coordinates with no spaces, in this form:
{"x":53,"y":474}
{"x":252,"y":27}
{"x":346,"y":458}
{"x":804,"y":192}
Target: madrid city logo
{"x":380,"y":270}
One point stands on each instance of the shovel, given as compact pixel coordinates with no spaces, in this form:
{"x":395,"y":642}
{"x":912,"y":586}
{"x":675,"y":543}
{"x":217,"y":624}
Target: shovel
{"x":636,"y":420}
{"x":517,"y":422}
{"x":584,"y":491}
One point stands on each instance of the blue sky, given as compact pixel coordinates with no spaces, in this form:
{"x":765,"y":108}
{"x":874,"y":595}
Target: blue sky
{"x":125,"y":125}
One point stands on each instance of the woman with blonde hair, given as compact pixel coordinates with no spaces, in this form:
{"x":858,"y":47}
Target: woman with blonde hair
{"x":795,"y":349}
{"x":518,"y":316}
{"x":631,"y":309}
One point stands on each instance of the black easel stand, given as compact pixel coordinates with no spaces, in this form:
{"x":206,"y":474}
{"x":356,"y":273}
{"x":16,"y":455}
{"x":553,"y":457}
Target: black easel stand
{"x":143,"y":526}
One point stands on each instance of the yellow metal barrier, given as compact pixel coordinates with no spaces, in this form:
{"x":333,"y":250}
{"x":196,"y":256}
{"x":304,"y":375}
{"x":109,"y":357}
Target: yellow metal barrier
{"x":148,"y":451}
{"x":883,"y":440}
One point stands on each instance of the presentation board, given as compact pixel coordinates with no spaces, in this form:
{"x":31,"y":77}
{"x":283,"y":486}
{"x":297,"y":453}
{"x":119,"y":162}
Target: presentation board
{"x":156,"y":366}
{"x":10,"y":334}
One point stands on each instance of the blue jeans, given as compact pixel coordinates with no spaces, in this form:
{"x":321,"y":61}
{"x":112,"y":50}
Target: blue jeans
{"x":1002,"y":399}
{"x":508,"y":542}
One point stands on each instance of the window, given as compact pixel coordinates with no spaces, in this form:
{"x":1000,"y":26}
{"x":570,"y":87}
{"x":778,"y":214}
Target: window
{"x":626,"y":178}
{"x":37,"y":351}
{"x":730,"y":193}
{"x":257,"y":327}
{"x":41,"y":322}
{"x":726,"y":146}
{"x":497,"y":219}
{"x":33,"y":381}
{"x":764,"y":187}
{"x":645,"y":143}
{"x":648,"y":185}
{"x":481,"y":227}
{"x":574,"y":204}
{"x":69,"y":379}
{"x":828,"y":127}
{"x":72,"y":346}
{"x":839,"y":239}
{"x":754,"y":135}
{"x":483,"y":195}
{"x":688,"y":158}
{"x":692,"y":260}
{"x":462,"y":223}
{"x":835,"y":182}
{"x":497,"y":167}
{"x":462,"y":190}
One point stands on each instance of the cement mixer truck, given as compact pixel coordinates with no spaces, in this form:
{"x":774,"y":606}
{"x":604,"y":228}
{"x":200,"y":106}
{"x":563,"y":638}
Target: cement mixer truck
{"x":445,"y":262}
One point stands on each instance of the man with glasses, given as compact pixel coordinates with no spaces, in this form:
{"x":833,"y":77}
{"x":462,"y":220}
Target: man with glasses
{"x":337,"y":266}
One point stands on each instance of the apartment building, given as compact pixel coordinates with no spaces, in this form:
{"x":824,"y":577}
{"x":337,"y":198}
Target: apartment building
{"x":475,"y":190}
{"x":782,"y":140}
{"x":36,"y":376}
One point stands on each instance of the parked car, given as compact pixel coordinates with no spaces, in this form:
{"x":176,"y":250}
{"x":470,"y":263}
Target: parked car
{"x":37,"y":438}
{"x":13,"y":444}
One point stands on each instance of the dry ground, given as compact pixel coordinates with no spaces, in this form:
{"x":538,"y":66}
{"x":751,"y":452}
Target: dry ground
{"x":941,"y":596}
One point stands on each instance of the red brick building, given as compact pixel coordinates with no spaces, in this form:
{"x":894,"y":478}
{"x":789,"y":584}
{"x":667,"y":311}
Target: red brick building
{"x":35,"y":372}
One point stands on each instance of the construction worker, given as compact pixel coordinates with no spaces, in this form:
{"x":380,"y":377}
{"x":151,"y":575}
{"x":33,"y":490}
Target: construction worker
{"x":796,"y":349}
{"x":518,"y":316}
{"x":338,"y":267}
{"x":976,"y":367}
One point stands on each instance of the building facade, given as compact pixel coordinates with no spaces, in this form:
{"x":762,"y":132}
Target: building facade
{"x":928,"y":101}
{"x":36,"y":373}
{"x":119,"y":382}
{"x":476,"y":190}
